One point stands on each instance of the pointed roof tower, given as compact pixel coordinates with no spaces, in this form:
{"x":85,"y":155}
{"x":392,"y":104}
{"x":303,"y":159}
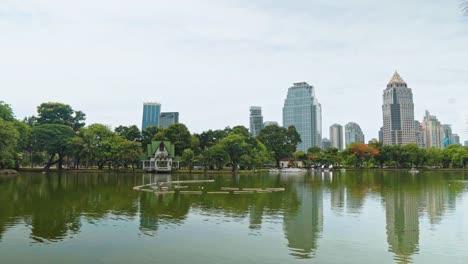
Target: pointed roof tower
{"x":396,"y":81}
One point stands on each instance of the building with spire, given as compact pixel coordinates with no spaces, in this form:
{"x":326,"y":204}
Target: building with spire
{"x":303,"y":111}
{"x":398,"y":113}
{"x":353,"y":134}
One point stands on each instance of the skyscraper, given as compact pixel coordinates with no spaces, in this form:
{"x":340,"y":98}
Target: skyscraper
{"x":447,"y":135}
{"x":303,"y":111}
{"x":455,"y":139}
{"x":151,"y":112}
{"x":336,"y":136}
{"x":256,"y":120}
{"x":419,"y":130}
{"x":433,"y":131}
{"x":353,"y":134}
{"x":168,"y":118}
{"x":398,"y":113}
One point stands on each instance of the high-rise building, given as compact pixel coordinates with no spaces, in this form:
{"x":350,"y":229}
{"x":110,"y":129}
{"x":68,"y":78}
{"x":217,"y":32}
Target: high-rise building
{"x":303,"y":111}
{"x":447,"y":135}
{"x":326,"y":143}
{"x":151,"y":112}
{"x":353,"y":134}
{"x":455,"y":139}
{"x":398,"y":113}
{"x":336,"y":136}
{"x":381,"y":134}
{"x":256,"y":120}
{"x":433,"y":131}
{"x":419,"y":130}
{"x":168,"y":118}
{"x":270,"y":123}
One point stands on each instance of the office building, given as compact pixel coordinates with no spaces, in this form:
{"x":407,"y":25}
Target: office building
{"x":353,"y":134}
{"x":398,"y":113}
{"x":256,"y":120}
{"x":336,"y":136}
{"x":433,"y":131}
{"x":303,"y":111}
{"x":151,"y":113}
{"x":326,"y":144}
{"x":168,"y":118}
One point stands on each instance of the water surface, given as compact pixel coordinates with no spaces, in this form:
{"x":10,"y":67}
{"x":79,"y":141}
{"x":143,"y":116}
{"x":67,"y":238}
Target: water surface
{"x":351,"y":217}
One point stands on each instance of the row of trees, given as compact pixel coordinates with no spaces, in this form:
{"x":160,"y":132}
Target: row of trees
{"x":57,"y":136}
{"x":375,"y":154}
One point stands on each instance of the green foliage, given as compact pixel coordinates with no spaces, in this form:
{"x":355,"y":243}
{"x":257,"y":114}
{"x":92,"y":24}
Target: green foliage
{"x":131,"y":133}
{"x":281,"y":142}
{"x":148,"y":135}
{"x":211,"y":137}
{"x":60,"y":114}
{"x":9,"y":137}
{"x":188,"y":157}
{"x":179,"y":135}
{"x":52,"y":139}
{"x":216,"y":156}
{"x":6,"y":113}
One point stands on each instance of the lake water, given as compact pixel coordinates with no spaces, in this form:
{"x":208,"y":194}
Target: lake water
{"x":350,"y":217}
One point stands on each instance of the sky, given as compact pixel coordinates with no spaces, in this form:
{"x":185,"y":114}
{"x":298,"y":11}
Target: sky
{"x":212,"y":59}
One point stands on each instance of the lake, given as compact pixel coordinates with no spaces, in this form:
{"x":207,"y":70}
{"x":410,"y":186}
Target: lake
{"x":321,"y":217}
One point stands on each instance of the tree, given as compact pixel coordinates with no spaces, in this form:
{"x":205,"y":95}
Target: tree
{"x":179,"y":135}
{"x":235,"y":146}
{"x":361,"y":153}
{"x":281,"y":142}
{"x":6,"y":113}
{"x":211,"y":137}
{"x":187,"y":157}
{"x":97,"y":146}
{"x":216,"y":156}
{"x":52,"y":139}
{"x":148,"y":135}
{"x":131,"y":133}
{"x":9,"y":137}
{"x":60,"y":114}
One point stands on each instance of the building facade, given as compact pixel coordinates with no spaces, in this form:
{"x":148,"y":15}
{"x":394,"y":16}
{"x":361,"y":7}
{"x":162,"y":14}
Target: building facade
{"x":303,"y":111}
{"x":336,"y":136}
{"x":447,"y":135}
{"x":419,"y":130}
{"x":168,"y":118}
{"x":256,"y":120}
{"x":326,"y":144}
{"x":353,"y":134}
{"x":433,"y":131}
{"x":151,"y":113}
{"x":398,"y":113}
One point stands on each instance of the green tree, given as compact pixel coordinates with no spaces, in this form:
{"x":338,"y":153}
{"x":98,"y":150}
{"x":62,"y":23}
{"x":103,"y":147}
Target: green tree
{"x":60,"y":114}
{"x":187,"y":157}
{"x":131,"y":133}
{"x":235,"y":146}
{"x":179,"y":135}
{"x":216,"y":156}
{"x":52,"y":139}
{"x":6,"y":113}
{"x":97,"y":144}
{"x":148,"y":135}
{"x":281,"y":142}
{"x":211,"y":137}
{"x":9,"y":137}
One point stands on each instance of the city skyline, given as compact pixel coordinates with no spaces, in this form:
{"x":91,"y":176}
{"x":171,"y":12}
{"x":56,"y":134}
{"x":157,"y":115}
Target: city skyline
{"x":89,"y":51}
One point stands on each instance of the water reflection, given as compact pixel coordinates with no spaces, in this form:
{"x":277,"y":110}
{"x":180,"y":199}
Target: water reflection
{"x":54,"y":207}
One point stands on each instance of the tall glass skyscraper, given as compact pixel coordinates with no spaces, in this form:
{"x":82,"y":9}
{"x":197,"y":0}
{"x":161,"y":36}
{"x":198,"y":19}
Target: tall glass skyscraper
{"x":336,"y":136}
{"x":303,"y":111}
{"x":168,"y":118}
{"x":256,"y":120}
{"x":151,"y":112}
{"x":398,"y":113}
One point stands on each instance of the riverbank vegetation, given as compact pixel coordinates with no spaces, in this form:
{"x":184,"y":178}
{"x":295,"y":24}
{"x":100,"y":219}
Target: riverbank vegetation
{"x":58,"y":137}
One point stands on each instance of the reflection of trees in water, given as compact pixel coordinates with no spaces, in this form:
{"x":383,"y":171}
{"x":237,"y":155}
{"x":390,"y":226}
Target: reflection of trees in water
{"x":53,"y":205}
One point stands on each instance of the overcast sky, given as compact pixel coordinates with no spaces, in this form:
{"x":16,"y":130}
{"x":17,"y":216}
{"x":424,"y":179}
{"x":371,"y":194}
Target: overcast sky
{"x":211,"y":60}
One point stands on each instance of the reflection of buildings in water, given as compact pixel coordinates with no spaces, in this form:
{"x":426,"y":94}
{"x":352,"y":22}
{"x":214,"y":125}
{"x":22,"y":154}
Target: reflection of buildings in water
{"x":436,"y":197}
{"x":303,"y":226}
{"x":402,"y":223}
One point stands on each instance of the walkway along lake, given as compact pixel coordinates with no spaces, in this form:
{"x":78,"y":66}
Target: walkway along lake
{"x":350,"y":217}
